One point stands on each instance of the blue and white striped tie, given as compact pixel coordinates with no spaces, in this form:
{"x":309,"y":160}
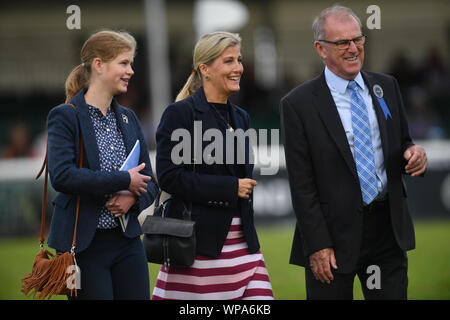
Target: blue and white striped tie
{"x":362,"y":141}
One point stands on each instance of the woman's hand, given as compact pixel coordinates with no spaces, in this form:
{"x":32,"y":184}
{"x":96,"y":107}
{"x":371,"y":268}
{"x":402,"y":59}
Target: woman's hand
{"x":121,"y":202}
{"x":246,"y":187}
{"x":138,"y":182}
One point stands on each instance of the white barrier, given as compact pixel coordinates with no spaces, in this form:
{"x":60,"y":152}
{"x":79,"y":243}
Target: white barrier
{"x":438,"y":153}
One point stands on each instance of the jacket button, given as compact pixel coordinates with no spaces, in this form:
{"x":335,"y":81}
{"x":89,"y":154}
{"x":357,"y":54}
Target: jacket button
{"x":210,"y":202}
{"x":226,"y":204}
{"x":221,"y":203}
{"x":249,"y":200}
{"x":215,"y":203}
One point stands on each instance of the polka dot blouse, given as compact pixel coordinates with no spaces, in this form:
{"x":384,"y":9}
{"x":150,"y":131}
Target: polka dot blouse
{"x":112,"y":153}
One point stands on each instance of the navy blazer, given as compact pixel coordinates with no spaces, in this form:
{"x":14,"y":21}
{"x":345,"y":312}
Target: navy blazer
{"x":325,"y":189}
{"x":212,"y":188}
{"x":65,"y":127}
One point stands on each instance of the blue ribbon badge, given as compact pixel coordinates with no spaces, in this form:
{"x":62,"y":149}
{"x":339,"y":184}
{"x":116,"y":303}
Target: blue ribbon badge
{"x":378,"y":91}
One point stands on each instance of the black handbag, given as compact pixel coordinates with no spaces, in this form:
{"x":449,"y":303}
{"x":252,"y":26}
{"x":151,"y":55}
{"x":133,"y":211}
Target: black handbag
{"x":169,"y":241}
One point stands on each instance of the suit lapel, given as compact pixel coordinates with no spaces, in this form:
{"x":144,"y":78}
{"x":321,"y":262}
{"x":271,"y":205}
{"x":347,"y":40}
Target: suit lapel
{"x":208,"y":118}
{"x":324,"y":103}
{"x":87,"y":130}
{"x":89,"y":139}
{"x":382,"y":122}
{"x":238,"y":123}
{"x":124,"y":125}
{"x":209,"y":121}
{"x":88,"y":133}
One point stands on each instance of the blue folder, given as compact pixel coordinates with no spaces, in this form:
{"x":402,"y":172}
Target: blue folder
{"x":130,"y":162}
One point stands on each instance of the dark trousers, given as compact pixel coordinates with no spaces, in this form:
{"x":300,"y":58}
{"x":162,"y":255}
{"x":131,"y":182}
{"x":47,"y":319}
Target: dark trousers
{"x":379,"y":257}
{"x":113,"y":267}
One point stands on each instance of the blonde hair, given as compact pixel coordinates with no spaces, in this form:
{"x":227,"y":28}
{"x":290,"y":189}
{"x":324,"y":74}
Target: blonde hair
{"x":207,"y":49}
{"x":106,"y":45}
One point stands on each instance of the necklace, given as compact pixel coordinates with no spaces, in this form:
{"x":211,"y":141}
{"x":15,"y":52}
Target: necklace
{"x":229,"y":127}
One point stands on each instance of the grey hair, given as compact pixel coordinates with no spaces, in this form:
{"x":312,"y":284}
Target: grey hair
{"x":335,"y":10}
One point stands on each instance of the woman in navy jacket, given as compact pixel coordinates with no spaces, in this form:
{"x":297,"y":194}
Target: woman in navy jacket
{"x":112,"y":262}
{"x":220,"y":191}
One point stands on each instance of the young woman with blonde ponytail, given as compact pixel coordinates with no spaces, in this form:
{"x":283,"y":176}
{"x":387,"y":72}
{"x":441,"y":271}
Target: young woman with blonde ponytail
{"x":228,"y":264}
{"x":112,"y":262}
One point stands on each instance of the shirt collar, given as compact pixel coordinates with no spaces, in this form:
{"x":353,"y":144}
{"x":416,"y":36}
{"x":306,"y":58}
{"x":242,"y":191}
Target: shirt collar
{"x":79,"y":101}
{"x":94,"y":111}
{"x":340,"y":84}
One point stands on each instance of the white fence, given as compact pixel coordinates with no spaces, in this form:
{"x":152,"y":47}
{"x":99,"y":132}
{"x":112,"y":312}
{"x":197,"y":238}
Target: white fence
{"x":20,"y":194}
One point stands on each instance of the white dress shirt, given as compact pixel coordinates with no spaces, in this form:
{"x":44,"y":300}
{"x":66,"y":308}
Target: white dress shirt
{"x":342,"y":98}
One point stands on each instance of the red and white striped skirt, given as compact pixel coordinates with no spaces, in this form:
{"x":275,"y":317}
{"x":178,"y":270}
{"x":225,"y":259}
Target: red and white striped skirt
{"x":235,"y":274}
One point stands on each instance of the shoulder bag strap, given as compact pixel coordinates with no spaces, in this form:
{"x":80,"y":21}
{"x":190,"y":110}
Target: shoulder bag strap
{"x":44,"y":197}
{"x":189,"y":208}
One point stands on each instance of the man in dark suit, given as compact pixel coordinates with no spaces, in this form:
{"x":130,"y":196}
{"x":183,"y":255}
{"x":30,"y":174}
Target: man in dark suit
{"x":347,"y":145}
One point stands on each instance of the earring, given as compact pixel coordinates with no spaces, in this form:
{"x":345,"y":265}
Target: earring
{"x":207,"y":77}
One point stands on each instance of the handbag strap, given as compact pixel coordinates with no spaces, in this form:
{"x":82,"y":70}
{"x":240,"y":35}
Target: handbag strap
{"x":188,"y":209}
{"x":44,"y":196}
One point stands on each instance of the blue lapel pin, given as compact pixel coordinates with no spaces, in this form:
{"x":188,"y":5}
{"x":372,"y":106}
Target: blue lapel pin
{"x":378,"y":91}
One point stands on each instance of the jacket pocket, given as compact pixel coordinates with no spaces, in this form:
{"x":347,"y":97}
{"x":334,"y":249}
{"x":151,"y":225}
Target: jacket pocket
{"x":405,"y":192}
{"x":325,"y":209}
{"x":62,"y":200}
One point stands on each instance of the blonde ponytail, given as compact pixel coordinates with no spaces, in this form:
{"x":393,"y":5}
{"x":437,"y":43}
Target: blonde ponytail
{"x":77,"y":80}
{"x":193,"y":83}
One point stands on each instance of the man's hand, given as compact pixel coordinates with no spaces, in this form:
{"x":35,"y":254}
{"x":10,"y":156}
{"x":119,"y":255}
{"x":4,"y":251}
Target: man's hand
{"x":320,"y":262}
{"x":417,"y":160}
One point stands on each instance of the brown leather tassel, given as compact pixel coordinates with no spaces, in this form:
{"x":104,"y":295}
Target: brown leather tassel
{"x":49,"y":276}
{"x":58,"y":276}
{"x":39,"y":273}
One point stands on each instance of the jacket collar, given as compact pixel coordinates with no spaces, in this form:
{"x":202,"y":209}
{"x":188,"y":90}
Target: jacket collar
{"x":200,"y":102}
{"x":87,"y":128}
{"x":330,"y":116}
{"x":79,"y":101}
{"x":202,"y":105}
{"x":324,"y":103}
{"x":237,"y":120}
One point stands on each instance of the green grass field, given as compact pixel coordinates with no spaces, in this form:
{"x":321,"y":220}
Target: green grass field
{"x":429,"y":263}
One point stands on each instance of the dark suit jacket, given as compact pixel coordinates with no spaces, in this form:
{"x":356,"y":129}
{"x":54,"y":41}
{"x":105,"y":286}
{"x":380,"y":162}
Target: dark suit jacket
{"x":212,"y":188}
{"x":324,"y":184}
{"x":65,"y":126}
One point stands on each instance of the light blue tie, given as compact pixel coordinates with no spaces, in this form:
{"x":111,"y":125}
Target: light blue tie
{"x":362,"y":141}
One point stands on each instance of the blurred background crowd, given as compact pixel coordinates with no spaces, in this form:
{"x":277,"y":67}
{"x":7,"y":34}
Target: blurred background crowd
{"x":38,"y":52}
